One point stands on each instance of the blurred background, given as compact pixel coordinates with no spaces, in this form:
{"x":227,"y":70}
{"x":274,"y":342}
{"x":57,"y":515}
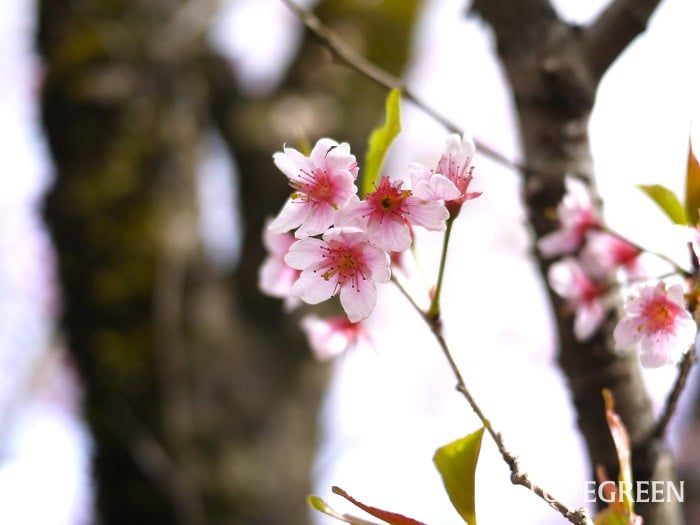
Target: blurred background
{"x":143,"y":376}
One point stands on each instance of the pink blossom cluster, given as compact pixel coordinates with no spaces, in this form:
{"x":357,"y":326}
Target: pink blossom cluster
{"x":655,"y":316}
{"x":327,"y":240}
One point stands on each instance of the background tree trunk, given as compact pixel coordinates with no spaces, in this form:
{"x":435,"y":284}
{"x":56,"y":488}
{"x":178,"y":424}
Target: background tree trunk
{"x":201,"y":395}
{"x":554,"y":69}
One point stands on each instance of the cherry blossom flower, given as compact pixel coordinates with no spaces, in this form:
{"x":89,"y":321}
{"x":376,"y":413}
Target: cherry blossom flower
{"x":323,"y":182}
{"x":604,"y":253}
{"x":576,"y":216}
{"x":657,"y":319}
{"x":344,"y":261}
{"x":584,"y":296}
{"x":330,"y":337}
{"x":451,"y":180}
{"x":387,"y":213}
{"x":276,"y":277}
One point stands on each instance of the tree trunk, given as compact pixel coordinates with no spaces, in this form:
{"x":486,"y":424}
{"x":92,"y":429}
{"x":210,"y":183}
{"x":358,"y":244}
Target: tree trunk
{"x":554,"y":69}
{"x":201,"y":394}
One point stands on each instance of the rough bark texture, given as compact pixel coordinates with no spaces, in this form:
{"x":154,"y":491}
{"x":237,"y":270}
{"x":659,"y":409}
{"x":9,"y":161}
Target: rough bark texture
{"x":201,"y":393}
{"x":554,"y":69}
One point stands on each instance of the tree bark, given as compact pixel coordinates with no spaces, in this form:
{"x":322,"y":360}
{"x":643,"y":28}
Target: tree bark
{"x":201,"y":394}
{"x":554,"y":69}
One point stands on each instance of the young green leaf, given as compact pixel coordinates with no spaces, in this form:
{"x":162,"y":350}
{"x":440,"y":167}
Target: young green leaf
{"x":692,"y":186}
{"x":318,"y":504}
{"x":456,"y":463}
{"x":379,"y":141}
{"x":667,"y":201}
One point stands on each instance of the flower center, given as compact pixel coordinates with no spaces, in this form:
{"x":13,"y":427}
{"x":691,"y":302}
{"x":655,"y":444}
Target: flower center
{"x":344,"y":263}
{"x":659,"y":316}
{"x":387,"y":199}
{"x":314,"y":187}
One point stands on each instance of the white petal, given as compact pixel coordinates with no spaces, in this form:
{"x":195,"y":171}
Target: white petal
{"x":627,"y":332}
{"x":562,"y":277}
{"x":658,"y":350}
{"x":675,"y":294}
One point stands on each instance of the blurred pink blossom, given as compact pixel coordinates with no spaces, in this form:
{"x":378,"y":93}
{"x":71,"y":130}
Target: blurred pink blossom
{"x":576,"y":216}
{"x":332,"y":336}
{"x":604,"y":253}
{"x":568,"y":279}
{"x":657,"y":318}
{"x":276,"y":277}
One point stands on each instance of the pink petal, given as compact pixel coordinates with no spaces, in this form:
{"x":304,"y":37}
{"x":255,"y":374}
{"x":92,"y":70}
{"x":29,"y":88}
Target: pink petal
{"x":378,"y":262}
{"x":321,"y":149}
{"x":312,"y":288}
{"x":318,"y":220}
{"x":359,"y":302}
{"x":291,"y":162}
{"x":290,"y":216}
{"x":588,"y":319}
{"x":390,"y":235}
{"x":276,"y":278}
{"x":305,"y":253}
{"x":431,"y":215}
{"x":325,"y":339}
{"x":444,"y":188}
{"x":353,"y":214}
{"x":276,"y":243}
{"x":559,"y":242}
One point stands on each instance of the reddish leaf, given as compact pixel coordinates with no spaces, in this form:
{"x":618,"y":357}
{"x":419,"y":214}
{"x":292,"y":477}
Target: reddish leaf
{"x":692,"y":186}
{"x":389,"y":517}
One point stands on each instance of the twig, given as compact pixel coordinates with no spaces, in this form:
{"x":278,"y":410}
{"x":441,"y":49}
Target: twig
{"x":518,"y":477}
{"x":671,"y":404}
{"x":355,"y":61}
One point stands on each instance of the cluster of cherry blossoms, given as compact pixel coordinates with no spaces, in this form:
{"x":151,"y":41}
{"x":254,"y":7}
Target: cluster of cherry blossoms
{"x":655,"y":315}
{"x":327,"y":240}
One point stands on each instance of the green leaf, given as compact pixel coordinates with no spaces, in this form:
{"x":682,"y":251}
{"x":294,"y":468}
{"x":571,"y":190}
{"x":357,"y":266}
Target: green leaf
{"x":379,"y":141}
{"x":456,"y":463}
{"x":692,"y":186}
{"x":667,"y":201}
{"x":318,"y":504}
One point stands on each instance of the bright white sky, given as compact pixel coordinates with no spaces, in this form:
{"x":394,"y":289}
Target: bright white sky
{"x":388,"y":410}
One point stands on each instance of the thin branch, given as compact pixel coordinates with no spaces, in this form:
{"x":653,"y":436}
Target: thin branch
{"x":607,"y":36}
{"x":434,"y":310}
{"x":518,"y":477}
{"x":671,"y":404}
{"x":348,"y":56}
